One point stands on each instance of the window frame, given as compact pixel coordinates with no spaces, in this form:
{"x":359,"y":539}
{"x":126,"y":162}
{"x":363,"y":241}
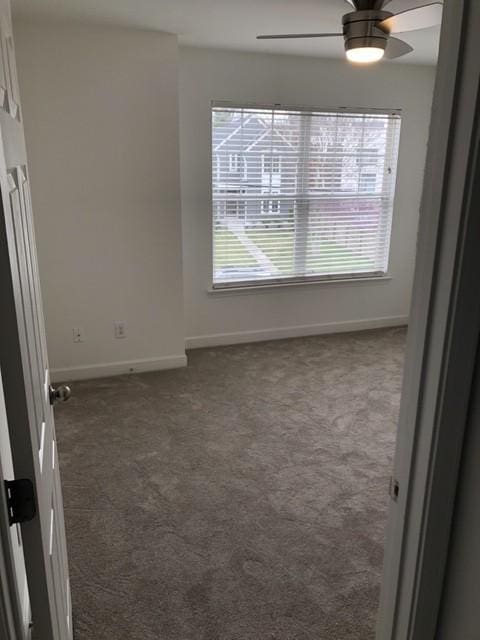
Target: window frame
{"x":257,"y":284}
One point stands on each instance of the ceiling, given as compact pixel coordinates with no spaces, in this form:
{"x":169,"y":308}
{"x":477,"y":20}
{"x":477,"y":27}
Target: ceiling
{"x":230,"y":24}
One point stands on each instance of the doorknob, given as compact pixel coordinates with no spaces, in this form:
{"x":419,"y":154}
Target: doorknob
{"x":60,"y":394}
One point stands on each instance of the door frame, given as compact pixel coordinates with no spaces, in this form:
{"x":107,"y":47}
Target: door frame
{"x":9,"y":605}
{"x":8,"y":628}
{"x":11,"y":627}
{"x":442,"y":342}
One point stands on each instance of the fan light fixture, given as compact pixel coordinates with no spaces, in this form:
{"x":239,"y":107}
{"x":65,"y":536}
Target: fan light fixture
{"x":367,"y":30}
{"x":365,"y":55}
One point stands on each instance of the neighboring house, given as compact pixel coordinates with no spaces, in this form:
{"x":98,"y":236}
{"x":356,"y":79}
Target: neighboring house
{"x":247,"y":163}
{"x":253,"y":163}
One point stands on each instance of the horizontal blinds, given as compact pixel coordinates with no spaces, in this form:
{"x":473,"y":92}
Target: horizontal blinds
{"x":301,"y":194}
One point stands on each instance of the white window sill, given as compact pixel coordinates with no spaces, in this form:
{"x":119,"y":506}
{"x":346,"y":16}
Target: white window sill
{"x":260,"y":288}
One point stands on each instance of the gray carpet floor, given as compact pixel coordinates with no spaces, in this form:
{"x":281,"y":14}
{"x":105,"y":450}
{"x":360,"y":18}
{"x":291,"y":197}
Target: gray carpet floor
{"x":241,"y":498}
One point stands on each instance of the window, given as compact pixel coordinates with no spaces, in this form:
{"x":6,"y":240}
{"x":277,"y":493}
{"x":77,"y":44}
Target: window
{"x":270,"y":206}
{"x":271,"y":164}
{"x":367,"y":182}
{"x":234,"y":162}
{"x":315,"y":197}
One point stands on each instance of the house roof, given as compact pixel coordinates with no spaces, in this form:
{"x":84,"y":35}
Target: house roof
{"x":231,"y":129}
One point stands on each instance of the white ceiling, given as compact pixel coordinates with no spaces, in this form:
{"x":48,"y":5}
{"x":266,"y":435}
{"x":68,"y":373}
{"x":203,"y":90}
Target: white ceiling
{"x":229,"y":24}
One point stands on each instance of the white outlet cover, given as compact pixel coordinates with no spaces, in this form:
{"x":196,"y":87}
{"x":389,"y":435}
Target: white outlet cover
{"x":120,"y":329}
{"x":78,"y":334}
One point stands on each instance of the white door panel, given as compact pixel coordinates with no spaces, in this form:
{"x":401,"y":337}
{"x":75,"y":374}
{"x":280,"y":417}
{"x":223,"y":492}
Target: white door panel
{"x":24,"y":363}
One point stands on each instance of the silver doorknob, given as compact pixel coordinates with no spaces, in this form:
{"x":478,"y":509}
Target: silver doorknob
{"x":60,"y":394}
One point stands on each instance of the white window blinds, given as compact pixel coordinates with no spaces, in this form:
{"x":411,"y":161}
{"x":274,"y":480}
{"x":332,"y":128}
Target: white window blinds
{"x":301,"y":194}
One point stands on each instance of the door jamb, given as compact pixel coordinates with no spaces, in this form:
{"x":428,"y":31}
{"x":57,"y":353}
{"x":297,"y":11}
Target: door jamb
{"x":442,"y":342}
{"x":7,"y":609}
{"x":11,"y":627}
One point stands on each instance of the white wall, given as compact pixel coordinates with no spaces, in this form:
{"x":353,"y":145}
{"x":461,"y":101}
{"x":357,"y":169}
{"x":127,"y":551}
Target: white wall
{"x":101,"y":120}
{"x":222,"y":317}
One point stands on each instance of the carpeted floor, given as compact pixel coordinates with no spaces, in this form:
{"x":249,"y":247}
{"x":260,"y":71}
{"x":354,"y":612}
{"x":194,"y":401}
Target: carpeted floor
{"x":242,"y":498}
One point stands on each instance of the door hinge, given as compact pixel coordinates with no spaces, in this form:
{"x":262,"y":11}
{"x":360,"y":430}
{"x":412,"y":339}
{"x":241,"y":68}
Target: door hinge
{"x":394,"y":488}
{"x":20,"y":500}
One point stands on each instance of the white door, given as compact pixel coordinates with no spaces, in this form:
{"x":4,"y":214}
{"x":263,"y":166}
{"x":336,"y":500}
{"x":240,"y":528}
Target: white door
{"x":24,"y":366}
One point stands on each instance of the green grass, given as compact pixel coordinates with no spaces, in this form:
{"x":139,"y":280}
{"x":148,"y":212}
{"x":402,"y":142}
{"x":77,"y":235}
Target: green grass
{"x":277,"y":245}
{"x":225,"y":244}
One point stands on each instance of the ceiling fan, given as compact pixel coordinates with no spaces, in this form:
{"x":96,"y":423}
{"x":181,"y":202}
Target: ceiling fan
{"x":367,"y":30}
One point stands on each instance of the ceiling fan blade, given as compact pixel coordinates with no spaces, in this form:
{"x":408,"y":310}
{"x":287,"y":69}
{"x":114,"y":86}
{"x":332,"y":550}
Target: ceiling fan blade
{"x":399,"y":6}
{"x":298,"y":35}
{"x":429,"y":15}
{"x":396,"y":48}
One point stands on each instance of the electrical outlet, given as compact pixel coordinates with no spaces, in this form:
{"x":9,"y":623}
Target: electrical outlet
{"x":120,"y":329}
{"x":78,"y":334}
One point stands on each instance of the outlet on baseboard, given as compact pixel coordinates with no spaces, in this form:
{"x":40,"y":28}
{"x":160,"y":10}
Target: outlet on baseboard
{"x":78,"y":334}
{"x":120,"y":329}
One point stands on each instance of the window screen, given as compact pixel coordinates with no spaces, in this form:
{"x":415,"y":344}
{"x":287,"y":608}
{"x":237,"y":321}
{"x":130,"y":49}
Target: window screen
{"x":301,"y":194}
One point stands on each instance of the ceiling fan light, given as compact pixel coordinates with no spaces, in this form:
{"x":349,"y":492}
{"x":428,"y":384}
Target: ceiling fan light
{"x":365,"y":55}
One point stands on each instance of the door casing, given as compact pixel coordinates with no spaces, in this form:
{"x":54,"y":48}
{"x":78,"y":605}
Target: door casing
{"x":442,"y":342}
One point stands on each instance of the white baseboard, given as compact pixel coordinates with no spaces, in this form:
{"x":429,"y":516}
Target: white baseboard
{"x":85,"y":372}
{"x":103,"y":370}
{"x":260,"y":335}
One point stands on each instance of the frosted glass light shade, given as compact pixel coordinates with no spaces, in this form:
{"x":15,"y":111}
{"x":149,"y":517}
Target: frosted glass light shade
{"x":365,"y":55}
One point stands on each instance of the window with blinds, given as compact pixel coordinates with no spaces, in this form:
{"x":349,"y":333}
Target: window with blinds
{"x":301,"y":194}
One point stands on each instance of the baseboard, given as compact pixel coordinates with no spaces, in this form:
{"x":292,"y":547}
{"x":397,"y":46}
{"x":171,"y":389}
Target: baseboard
{"x":260,"y":335}
{"x":85,"y":372}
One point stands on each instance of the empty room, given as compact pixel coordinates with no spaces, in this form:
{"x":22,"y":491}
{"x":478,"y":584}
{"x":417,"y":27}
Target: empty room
{"x":224,"y":198}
